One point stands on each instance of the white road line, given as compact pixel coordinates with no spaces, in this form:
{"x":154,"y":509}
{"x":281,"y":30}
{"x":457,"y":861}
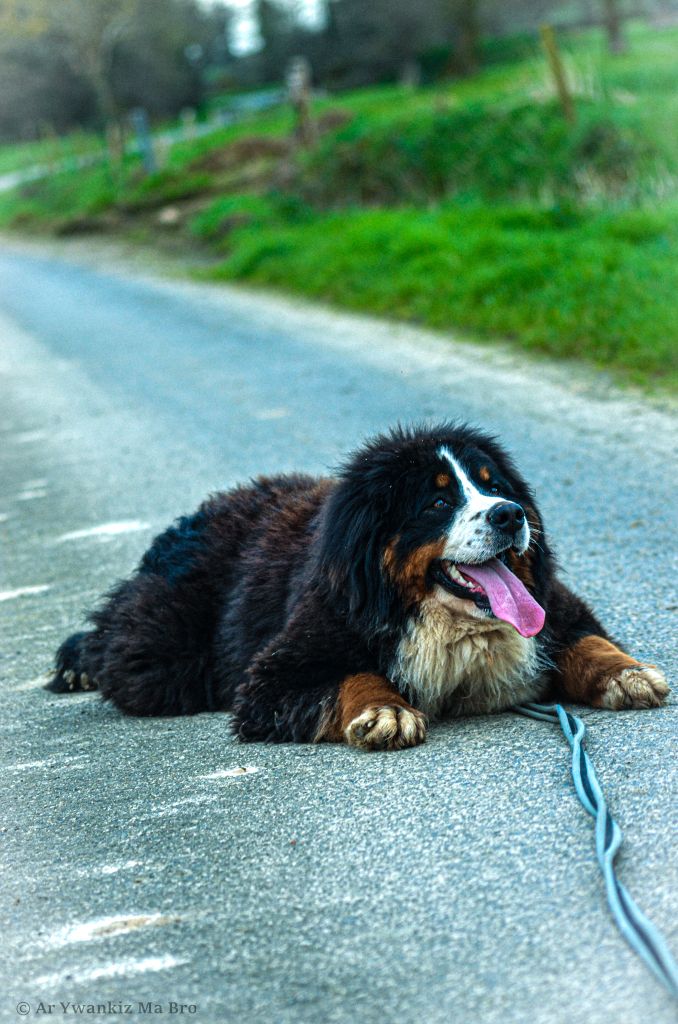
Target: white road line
{"x":9,"y":595}
{"x":119,"y":969}
{"x":231,"y":773}
{"x":105,"y":530}
{"x":31,"y":495}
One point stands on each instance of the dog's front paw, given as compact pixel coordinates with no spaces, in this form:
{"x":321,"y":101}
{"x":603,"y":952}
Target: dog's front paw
{"x":639,"y":687}
{"x":387,"y":728}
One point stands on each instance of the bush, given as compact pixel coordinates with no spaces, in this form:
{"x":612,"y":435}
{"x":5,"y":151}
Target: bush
{"x":524,"y":151}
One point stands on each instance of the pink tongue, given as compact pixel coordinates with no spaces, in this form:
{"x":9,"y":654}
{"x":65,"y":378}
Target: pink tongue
{"x":508,"y":597}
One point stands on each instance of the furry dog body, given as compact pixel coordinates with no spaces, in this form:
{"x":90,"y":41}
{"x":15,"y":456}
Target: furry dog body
{"x":416,"y":584}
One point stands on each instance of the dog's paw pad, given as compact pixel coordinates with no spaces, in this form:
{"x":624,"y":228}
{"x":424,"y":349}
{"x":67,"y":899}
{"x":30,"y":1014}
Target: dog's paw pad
{"x":639,"y":687}
{"x":387,"y":728}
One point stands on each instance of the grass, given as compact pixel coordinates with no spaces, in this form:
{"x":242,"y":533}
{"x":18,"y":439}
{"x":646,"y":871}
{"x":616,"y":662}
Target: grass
{"x":470,"y":205}
{"x":590,"y":286}
{"x":59,"y":199}
{"x":20,"y":155}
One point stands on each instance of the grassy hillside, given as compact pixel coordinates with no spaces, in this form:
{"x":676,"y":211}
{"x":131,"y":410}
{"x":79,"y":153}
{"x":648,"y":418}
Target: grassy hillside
{"x":471,"y":205}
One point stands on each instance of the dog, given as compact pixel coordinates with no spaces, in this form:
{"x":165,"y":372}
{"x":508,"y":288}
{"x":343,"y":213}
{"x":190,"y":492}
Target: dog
{"x":415,"y":585}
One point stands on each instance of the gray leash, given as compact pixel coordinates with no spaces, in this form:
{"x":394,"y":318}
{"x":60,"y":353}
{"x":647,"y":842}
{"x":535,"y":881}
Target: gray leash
{"x":640,"y":933}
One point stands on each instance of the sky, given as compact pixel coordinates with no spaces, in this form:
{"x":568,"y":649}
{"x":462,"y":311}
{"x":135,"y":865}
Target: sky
{"x":244,"y":34}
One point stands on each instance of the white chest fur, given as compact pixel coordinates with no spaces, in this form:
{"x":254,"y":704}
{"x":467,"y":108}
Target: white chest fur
{"x":452,"y":664}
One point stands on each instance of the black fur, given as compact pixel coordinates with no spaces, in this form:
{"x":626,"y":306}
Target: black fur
{"x":270,"y":595}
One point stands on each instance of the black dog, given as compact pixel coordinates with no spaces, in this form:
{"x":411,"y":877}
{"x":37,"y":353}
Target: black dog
{"x":416,"y":584}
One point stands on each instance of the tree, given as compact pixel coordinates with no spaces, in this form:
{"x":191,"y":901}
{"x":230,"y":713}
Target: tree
{"x":39,"y":89}
{"x":468,"y":46}
{"x":94,"y":28}
{"x":90,"y":61}
{"x":613,"y":25}
{"x":462,"y":18}
{"x":275,"y":28}
{"x":374,"y":41}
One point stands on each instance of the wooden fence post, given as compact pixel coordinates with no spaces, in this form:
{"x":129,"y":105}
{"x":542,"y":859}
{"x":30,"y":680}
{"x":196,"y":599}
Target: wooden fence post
{"x":550,"y":44}
{"x":299,"y":89}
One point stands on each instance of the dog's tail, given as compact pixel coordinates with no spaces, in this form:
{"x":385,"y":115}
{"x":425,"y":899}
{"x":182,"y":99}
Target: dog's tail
{"x":70,"y":675}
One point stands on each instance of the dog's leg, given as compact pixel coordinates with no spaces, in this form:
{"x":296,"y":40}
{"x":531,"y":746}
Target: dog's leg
{"x":149,"y":651}
{"x":595,"y":671}
{"x":370,"y":713}
{"x":591,"y":669}
{"x":72,"y":673}
{"x":306,"y":687}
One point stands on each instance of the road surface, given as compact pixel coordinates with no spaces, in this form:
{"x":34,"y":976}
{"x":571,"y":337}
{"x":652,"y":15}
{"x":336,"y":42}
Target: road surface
{"x":141,"y":866}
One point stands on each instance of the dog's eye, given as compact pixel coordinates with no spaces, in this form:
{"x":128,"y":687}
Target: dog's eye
{"x":440,"y":503}
{"x":494,"y":490}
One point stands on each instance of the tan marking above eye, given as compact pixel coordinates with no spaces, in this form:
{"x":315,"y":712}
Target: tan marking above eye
{"x":484,"y":474}
{"x":443,"y":480}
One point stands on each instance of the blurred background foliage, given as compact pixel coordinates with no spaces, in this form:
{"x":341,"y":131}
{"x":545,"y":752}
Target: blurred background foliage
{"x":437,"y":172}
{"x":78,"y":63}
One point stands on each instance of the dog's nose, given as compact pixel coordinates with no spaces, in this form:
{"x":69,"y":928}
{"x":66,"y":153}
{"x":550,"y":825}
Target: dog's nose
{"x":506,"y":516}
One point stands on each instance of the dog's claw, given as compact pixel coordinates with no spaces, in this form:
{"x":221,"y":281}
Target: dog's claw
{"x":387,"y":728}
{"x":639,"y":687}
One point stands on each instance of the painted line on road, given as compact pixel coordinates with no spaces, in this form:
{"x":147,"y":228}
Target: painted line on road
{"x":278,"y":413}
{"x":31,"y":495}
{"x":111,"y":869}
{"x":103,"y":927}
{"x":105,"y":530}
{"x":9,"y":595}
{"x":28,"y":436}
{"x":26,"y":764}
{"x":66,"y":764}
{"x":232,"y":773}
{"x":121,"y":968}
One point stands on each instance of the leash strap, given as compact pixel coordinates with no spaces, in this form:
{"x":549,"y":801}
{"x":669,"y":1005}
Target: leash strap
{"x":643,"y":937}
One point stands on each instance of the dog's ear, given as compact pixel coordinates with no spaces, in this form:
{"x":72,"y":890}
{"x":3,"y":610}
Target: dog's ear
{"x":353,"y":532}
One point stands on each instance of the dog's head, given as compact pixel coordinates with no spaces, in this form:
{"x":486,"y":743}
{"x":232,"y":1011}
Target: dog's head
{"x":439,"y":514}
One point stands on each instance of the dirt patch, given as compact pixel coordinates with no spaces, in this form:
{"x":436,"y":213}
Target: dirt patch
{"x":333,"y":120}
{"x":262,"y":149}
{"x":88,"y":224}
{"x":242,"y":151}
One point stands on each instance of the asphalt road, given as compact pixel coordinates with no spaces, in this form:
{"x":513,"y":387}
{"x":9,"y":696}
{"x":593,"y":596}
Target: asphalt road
{"x":451,"y":883}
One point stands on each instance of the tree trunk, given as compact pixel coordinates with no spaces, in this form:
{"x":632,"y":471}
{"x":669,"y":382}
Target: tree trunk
{"x":613,"y":24}
{"x":469,"y":37}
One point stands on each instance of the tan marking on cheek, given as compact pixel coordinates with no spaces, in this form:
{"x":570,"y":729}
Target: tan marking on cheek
{"x":484,"y":474}
{"x":443,"y":480}
{"x":410,"y":575}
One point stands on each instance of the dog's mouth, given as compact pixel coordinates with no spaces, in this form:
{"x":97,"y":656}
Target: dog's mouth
{"x":493,"y":588}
